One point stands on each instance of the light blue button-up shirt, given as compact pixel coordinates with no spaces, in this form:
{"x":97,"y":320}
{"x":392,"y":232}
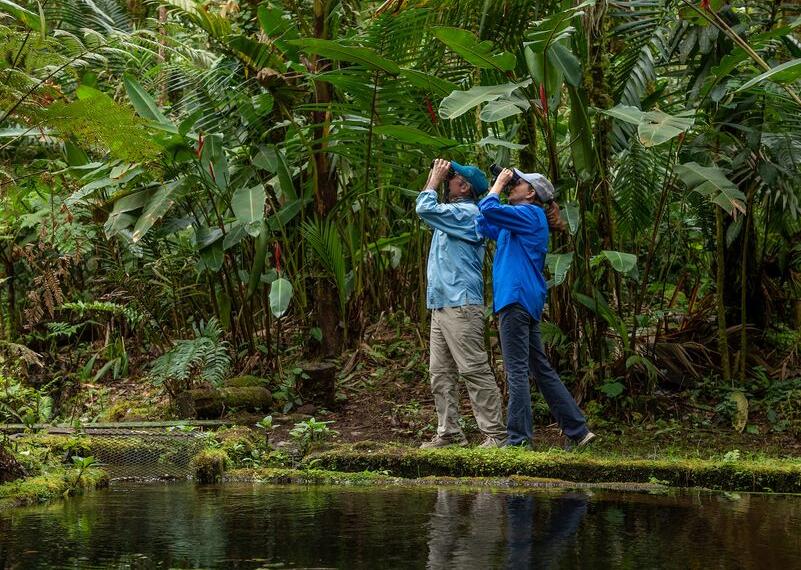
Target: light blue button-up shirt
{"x":456,"y":255}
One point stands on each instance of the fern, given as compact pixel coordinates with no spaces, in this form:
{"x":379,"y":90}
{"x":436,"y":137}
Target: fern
{"x":205,"y":357}
{"x":324,"y":240}
{"x":133,"y":316}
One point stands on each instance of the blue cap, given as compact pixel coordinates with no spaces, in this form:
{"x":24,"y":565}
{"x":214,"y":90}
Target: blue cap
{"x":474,"y":175}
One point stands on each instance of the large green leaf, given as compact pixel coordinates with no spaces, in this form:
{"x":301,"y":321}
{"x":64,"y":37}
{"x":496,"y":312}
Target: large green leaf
{"x":144,"y":104}
{"x":554,"y":28}
{"x":568,"y":64}
{"x":502,"y":109}
{"x":653,"y":127}
{"x":711,"y":182}
{"x":286,"y":214}
{"x":459,"y":102}
{"x":413,"y":135}
{"x":119,"y":218}
{"x":558,"y":266}
{"x":785,"y":73}
{"x":271,"y":159}
{"x":157,"y":206}
{"x":474,"y":51}
{"x":280,"y":296}
{"x":213,"y":256}
{"x":213,"y":161}
{"x":573,"y":216}
{"x":354,"y":54}
{"x":33,"y":21}
{"x":248,"y":207}
{"x":580,"y":134}
{"x":621,"y":262}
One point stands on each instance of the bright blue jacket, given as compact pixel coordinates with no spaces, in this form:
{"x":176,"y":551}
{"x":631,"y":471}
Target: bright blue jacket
{"x":522,"y":235}
{"x":456,"y":256}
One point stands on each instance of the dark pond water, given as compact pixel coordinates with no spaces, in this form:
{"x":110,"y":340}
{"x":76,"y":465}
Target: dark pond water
{"x":262,"y":526}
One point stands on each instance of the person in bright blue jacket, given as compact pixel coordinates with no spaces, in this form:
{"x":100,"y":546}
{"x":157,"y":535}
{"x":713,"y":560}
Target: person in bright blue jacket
{"x":521,"y":229}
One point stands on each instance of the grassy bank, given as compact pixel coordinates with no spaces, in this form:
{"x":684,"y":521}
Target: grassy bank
{"x":53,"y":484}
{"x":729,"y":473}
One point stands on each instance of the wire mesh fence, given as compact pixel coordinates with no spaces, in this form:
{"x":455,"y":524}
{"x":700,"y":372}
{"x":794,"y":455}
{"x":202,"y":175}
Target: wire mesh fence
{"x":140,"y":453}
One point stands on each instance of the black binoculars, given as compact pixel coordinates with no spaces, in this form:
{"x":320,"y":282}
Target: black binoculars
{"x":496,"y":170}
{"x":451,"y":172}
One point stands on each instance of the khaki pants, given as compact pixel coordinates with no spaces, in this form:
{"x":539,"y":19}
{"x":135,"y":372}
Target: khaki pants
{"x":457,"y":348}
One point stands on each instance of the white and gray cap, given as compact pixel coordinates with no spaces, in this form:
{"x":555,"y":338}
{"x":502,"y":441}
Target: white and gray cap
{"x":542,"y":186}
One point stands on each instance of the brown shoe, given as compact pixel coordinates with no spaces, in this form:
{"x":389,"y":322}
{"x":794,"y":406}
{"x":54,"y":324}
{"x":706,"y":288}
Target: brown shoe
{"x":438,"y":442}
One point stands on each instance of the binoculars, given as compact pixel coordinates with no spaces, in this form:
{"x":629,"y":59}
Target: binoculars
{"x":451,"y":172}
{"x":496,"y":170}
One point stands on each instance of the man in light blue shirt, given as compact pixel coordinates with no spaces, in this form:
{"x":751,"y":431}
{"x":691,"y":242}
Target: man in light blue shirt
{"x":455,"y":296}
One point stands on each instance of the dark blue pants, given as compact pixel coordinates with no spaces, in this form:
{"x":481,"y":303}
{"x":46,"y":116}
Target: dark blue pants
{"x":523,"y":357}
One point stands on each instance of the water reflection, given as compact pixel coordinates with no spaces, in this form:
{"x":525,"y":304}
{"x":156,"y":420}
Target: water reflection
{"x":262,"y":526}
{"x":488,"y":530}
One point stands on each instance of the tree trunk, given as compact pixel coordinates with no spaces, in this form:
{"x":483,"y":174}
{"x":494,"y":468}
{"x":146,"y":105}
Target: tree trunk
{"x":723,"y":341}
{"x":325,"y":186}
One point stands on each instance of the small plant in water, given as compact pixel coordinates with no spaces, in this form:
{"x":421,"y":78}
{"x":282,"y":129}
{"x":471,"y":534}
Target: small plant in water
{"x":82,"y":463}
{"x":310,"y":432}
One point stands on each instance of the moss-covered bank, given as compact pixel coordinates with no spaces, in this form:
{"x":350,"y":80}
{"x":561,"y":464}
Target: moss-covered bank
{"x":284,"y":476}
{"x":772,"y":475}
{"x":55,"y":484}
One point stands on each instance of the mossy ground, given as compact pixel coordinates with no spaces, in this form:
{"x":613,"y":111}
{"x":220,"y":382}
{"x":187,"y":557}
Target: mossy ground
{"x":728,"y":473}
{"x":53,"y":484}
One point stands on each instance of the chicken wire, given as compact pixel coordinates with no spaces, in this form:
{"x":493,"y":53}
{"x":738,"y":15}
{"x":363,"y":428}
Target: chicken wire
{"x":141,"y":454}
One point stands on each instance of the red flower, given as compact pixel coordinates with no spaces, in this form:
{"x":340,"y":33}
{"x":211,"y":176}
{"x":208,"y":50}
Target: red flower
{"x":705,"y":5}
{"x":277,"y":256}
{"x":543,"y":99}
{"x":430,"y":109}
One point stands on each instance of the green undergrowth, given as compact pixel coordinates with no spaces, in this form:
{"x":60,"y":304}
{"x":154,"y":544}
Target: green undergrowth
{"x":728,"y":473}
{"x":54,"y":484}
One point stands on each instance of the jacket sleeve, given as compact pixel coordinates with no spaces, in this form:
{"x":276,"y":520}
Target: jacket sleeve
{"x":517,"y":219}
{"x":454,"y":220}
{"x":486,"y":229}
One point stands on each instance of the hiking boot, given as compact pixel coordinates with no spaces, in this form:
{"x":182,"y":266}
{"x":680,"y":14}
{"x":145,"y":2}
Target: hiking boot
{"x":438,"y":442}
{"x":573,"y":444}
{"x":493,"y":442}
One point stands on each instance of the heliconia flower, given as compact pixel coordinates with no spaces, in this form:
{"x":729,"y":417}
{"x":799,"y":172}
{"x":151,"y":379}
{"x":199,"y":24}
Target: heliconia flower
{"x":277,"y":256}
{"x":543,"y":99}
{"x":430,"y":109}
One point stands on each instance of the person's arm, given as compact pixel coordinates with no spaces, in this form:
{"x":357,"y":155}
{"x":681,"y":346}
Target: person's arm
{"x":454,"y":220}
{"x":487,"y":229}
{"x":517,"y":219}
